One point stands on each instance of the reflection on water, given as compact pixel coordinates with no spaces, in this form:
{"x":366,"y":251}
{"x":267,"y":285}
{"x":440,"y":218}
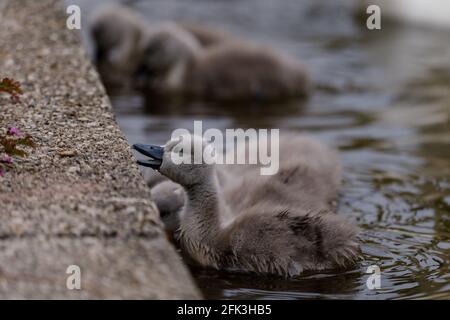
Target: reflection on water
{"x":383,"y":98}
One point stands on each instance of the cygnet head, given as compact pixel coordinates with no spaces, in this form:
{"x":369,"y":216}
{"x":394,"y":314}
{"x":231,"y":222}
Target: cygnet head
{"x":186,"y":159}
{"x":163,"y":48}
{"x":110,"y":25}
{"x":104,"y":40}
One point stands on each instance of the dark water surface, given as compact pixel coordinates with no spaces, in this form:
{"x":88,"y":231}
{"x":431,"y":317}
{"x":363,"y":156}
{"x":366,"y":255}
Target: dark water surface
{"x":383,"y":99}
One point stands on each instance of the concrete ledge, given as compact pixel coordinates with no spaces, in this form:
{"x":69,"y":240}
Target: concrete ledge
{"x":79,"y":198}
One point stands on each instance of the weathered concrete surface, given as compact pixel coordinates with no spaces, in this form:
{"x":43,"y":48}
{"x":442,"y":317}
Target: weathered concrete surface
{"x":79,"y":198}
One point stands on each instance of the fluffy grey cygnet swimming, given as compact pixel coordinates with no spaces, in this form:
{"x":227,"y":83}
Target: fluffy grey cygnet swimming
{"x":175,"y":62}
{"x":240,"y":221}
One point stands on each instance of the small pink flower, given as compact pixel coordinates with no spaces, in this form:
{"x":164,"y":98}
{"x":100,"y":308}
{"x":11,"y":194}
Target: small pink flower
{"x":13,"y":131}
{"x":6,"y":159}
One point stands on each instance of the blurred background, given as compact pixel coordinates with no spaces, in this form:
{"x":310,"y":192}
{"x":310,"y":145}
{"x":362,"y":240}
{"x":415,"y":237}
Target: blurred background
{"x":382,"y":97}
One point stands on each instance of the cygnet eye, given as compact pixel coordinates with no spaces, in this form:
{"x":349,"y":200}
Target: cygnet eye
{"x":178,"y":151}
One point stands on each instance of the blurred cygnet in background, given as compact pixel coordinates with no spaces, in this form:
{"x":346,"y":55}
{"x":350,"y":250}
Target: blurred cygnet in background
{"x":175,"y":62}
{"x":190,"y":60}
{"x":116,"y":32}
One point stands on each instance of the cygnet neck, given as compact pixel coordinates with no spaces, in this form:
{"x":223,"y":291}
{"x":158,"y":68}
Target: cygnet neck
{"x":202,"y":217}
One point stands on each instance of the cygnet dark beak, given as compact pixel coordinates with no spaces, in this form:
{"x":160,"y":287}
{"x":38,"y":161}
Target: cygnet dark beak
{"x":152,"y":151}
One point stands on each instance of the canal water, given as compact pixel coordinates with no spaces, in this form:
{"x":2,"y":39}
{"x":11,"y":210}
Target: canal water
{"x":382,"y":99}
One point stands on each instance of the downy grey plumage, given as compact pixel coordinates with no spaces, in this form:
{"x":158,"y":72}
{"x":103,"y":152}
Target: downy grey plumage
{"x":235,"y":219}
